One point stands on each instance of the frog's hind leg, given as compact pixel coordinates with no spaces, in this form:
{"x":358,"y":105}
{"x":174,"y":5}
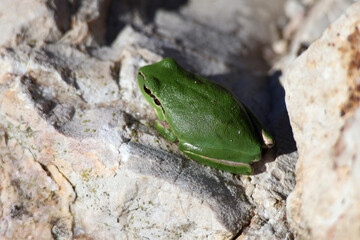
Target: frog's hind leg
{"x":165,"y":130}
{"x":266,"y":138}
{"x":225,"y":165}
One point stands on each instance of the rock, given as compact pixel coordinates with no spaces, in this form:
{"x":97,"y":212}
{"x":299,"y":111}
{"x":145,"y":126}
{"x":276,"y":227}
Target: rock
{"x":79,"y":156}
{"x":116,"y":171}
{"x":308,"y":29}
{"x":268,"y":192}
{"x":88,"y":22}
{"x":32,"y":22}
{"x":323,"y":95}
{"x":307,"y":21}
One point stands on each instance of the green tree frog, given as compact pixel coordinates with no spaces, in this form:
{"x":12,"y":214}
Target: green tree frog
{"x":210,"y":124}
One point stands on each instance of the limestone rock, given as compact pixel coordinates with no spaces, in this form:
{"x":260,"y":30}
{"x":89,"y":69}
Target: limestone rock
{"x":79,"y":156}
{"x":109,"y":174}
{"x":323,"y":95}
{"x":32,"y":22}
{"x":307,"y":21}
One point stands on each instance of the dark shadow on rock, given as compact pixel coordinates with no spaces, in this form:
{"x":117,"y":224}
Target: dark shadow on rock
{"x":62,"y":11}
{"x":280,"y":122}
{"x":125,"y":12}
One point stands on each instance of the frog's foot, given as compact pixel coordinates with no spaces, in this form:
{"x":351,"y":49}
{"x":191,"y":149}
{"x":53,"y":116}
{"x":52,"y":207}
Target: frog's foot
{"x":267,"y":139}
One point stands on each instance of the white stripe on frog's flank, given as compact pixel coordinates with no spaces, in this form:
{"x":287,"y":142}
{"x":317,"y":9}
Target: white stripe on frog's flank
{"x":226,"y":162}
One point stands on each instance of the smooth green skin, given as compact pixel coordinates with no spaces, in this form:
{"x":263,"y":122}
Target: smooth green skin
{"x":211,"y":125}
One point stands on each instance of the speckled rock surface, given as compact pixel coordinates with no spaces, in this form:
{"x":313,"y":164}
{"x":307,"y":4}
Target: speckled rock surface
{"x":117,"y":172}
{"x":33,"y":22}
{"x":323,"y":97}
{"x":79,"y":156}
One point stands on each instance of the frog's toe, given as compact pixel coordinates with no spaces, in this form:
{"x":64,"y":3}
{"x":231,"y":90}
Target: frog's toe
{"x":267,"y":139}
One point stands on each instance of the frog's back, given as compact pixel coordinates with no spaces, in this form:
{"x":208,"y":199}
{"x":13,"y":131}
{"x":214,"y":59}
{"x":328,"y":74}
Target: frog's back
{"x":207,"y":116}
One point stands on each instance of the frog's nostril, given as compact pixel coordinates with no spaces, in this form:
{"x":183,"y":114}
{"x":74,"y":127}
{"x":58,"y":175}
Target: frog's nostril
{"x":142,"y":75}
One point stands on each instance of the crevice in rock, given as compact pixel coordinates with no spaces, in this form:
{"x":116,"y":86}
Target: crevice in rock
{"x":115,"y":72}
{"x":55,"y":113}
{"x":67,"y":180}
{"x":59,"y":227}
{"x":44,"y":167}
{"x":45,"y":106}
{"x":97,"y":24}
{"x":74,"y":200}
{"x":244,"y":226}
{"x":61,"y":11}
{"x":47,"y":57}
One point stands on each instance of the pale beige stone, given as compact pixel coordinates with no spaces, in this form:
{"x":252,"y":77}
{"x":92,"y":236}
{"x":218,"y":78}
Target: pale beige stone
{"x":322,"y":95}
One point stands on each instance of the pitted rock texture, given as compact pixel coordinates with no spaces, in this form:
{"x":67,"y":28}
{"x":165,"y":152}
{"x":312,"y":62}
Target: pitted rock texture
{"x":323,"y":97}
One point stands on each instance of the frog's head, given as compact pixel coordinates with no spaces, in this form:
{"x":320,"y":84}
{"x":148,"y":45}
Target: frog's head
{"x":152,"y":78}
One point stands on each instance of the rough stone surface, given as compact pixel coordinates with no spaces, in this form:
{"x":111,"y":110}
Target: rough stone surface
{"x":319,"y":17}
{"x":307,"y":21}
{"x":79,"y":156}
{"x":32,"y":22}
{"x":118,"y":176}
{"x":323,"y":97}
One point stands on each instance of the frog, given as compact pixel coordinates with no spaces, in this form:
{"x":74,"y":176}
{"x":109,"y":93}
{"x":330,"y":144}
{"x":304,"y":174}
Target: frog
{"x":208,"y":122}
